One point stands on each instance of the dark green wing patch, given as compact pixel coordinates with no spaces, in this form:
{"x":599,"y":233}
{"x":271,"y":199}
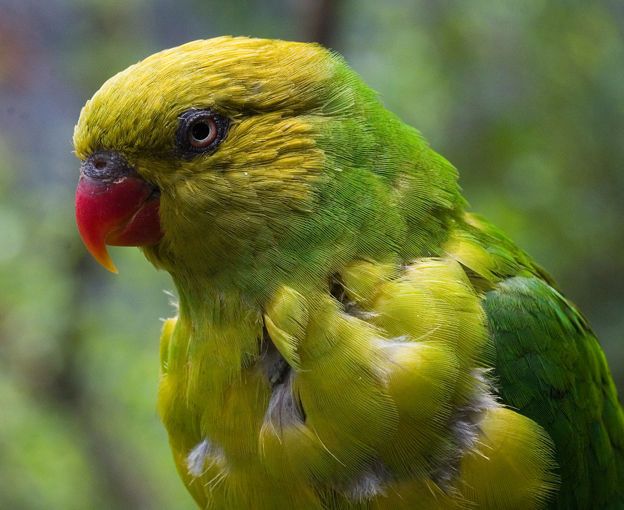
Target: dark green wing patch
{"x":551,"y":368}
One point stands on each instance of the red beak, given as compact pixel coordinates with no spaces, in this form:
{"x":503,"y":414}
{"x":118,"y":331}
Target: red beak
{"x":115,"y":207}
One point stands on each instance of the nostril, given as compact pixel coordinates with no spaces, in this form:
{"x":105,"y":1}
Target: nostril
{"x":106,"y":166}
{"x":100,"y":164}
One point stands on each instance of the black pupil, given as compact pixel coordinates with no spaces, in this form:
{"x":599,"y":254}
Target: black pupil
{"x":200,"y":131}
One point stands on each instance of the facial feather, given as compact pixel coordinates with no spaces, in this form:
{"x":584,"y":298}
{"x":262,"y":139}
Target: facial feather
{"x":311,"y":161}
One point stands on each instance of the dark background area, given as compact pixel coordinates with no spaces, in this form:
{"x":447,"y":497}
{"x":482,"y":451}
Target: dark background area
{"x":525,"y":98}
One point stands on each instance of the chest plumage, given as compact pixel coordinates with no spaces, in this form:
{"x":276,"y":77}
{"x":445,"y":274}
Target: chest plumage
{"x":369,"y":392}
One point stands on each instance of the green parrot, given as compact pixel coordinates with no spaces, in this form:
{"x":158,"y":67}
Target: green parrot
{"x":348,"y":335}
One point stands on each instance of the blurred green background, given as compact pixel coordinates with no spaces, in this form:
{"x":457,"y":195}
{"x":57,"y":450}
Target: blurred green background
{"x":525,"y":98}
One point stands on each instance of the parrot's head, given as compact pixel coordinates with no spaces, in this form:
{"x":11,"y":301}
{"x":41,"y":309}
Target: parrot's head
{"x":239,"y":153}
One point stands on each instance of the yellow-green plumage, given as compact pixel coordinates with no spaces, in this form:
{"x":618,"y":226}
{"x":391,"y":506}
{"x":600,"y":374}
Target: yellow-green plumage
{"x":344,"y":327}
{"x":381,"y":391}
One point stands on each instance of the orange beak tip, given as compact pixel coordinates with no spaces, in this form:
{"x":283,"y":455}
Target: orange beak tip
{"x":109,"y":265}
{"x":100,"y":253}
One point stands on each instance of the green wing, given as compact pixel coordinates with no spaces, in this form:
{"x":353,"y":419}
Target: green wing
{"x":550,"y":367}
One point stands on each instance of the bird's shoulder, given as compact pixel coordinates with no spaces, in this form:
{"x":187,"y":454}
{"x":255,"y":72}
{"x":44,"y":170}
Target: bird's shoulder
{"x":548,"y":363}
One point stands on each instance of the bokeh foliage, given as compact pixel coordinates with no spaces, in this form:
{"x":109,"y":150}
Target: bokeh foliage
{"x":525,"y":98}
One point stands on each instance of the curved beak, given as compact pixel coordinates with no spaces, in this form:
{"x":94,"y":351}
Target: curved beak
{"x":114,"y":206}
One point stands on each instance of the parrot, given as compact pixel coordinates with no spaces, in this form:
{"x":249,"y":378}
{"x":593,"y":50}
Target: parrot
{"x":348,"y":333}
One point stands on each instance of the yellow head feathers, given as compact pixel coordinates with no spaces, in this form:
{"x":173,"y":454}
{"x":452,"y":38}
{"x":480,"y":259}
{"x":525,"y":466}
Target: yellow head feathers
{"x":235,"y":75}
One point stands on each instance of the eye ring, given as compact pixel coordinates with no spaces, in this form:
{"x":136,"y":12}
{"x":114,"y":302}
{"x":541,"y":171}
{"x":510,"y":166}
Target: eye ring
{"x":200,"y":131}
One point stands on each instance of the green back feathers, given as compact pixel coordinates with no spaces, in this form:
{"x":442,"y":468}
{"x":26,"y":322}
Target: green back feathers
{"x":549,"y":365}
{"x":551,"y":368}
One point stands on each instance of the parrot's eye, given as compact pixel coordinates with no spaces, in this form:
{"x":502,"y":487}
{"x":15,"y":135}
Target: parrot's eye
{"x":203,"y":133}
{"x":200,"y":131}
